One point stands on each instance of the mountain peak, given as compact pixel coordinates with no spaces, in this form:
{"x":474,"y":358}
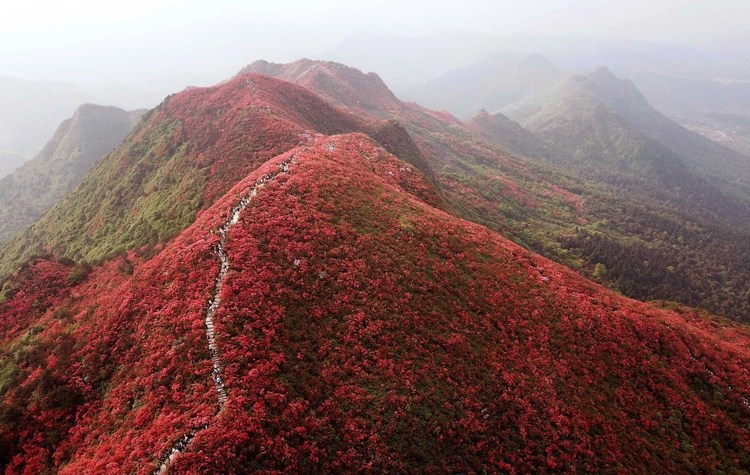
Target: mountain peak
{"x":340,"y":83}
{"x":611,"y":90}
{"x":603,"y":72}
{"x":482,"y":114}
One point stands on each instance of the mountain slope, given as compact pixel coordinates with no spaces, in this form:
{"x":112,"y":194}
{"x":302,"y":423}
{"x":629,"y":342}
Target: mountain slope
{"x":664,"y":229}
{"x":79,"y":143}
{"x":360,"y":329}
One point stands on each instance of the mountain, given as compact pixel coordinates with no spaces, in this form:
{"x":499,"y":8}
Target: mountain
{"x":607,"y":123}
{"x":319,"y":315}
{"x":498,"y":81}
{"x":654,"y":244}
{"x":532,"y":91}
{"x":669,"y":211}
{"x":677,"y":79}
{"x":695,"y":87}
{"x":79,"y":143}
{"x":30,"y":112}
{"x":261,"y":279}
{"x":175,"y":165}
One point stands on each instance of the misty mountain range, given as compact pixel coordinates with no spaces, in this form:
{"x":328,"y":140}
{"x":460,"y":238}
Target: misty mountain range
{"x":592,"y":127}
{"x":706,"y":91}
{"x":77,"y":145}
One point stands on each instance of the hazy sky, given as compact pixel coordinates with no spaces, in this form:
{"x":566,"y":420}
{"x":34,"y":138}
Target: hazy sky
{"x":182,"y":42}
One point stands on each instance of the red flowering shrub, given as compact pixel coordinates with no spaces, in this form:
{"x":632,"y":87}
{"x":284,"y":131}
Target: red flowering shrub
{"x":359,"y":328}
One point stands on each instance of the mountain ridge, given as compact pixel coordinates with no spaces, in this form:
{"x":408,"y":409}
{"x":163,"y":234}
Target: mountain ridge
{"x":350,"y":86}
{"x":345,"y":333}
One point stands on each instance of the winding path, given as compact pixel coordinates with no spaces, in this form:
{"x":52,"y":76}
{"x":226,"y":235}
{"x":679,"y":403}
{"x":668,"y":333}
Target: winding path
{"x":213,"y":304}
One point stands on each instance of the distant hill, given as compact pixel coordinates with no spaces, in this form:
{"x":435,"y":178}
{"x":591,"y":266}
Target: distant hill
{"x":594,"y":114}
{"x":30,"y":112}
{"x":500,"y":129}
{"x":608,"y":124}
{"x":79,"y":143}
{"x":499,"y":81}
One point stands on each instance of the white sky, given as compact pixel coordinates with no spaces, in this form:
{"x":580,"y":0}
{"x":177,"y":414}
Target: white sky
{"x":141,"y":41}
